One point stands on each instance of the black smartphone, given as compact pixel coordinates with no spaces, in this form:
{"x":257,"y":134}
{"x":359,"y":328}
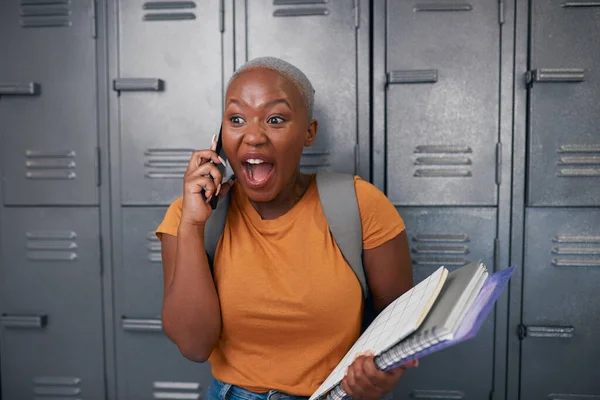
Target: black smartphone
{"x":215,"y":199}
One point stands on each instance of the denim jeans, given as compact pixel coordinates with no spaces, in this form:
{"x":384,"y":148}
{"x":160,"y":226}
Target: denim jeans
{"x":224,"y":391}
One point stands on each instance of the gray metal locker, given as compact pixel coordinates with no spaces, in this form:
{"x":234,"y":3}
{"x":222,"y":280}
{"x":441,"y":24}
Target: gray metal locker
{"x":564,"y":90}
{"x":149,"y":364}
{"x":322,"y":39}
{"x":441,"y":102}
{"x":560,"y":352}
{"x":170,"y":61}
{"x":48,"y":92}
{"x":451,"y":237}
{"x":51,"y":336}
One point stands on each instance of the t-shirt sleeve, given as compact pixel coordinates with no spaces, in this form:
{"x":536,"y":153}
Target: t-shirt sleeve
{"x":170,"y":222}
{"x":381,"y":221}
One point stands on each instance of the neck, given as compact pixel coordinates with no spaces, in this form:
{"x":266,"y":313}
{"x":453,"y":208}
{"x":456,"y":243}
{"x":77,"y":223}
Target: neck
{"x":286,"y":200}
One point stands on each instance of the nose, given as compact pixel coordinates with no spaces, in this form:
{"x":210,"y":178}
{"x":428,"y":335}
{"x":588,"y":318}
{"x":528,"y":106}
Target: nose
{"x":255,"y":135}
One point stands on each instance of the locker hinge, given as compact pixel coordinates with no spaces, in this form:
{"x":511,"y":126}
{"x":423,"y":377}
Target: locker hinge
{"x":521,"y":331}
{"x":356,"y":14}
{"x":501,"y":12}
{"x":498,"y":163}
{"x":496,"y":254}
{"x":93,"y":17}
{"x":222,"y":16}
{"x":97,"y":165}
{"x":356,"y":158}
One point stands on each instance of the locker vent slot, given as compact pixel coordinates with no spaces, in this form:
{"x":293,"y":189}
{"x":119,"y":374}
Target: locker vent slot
{"x":165,"y":163}
{"x":57,"y":386}
{"x":47,"y":165}
{"x":561,"y":396}
{"x":443,"y":6}
{"x":298,"y":8}
{"x":440,"y":249}
{"x":177,"y":390}
{"x":51,"y":245}
{"x":554,"y":332}
{"x":314,"y":160}
{"x":153,"y":248}
{"x":45,"y":14}
{"x":174,"y":9}
{"x":584,"y":251}
{"x":573,"y":4}
{"x":439,"y":161}
{"x":412,"y":76}
{"x":578,"y":160}
{"x":437,"y":394}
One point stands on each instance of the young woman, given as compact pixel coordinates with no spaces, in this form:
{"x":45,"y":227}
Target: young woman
{"x":283,"y":306}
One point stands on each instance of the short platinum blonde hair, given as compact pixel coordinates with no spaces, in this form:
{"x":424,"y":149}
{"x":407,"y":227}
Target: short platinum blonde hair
{"x":287,"y":70}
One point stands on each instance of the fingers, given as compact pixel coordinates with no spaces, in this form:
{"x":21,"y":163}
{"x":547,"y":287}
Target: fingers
{"x":364,"y":380}
{"x":200,"y":157}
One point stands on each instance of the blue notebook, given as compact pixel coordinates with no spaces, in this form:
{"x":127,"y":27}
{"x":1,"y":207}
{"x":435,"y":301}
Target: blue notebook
{"x":426,"y":339}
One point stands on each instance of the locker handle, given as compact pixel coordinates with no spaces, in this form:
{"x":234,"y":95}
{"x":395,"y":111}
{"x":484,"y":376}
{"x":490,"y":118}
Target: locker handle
{"x":555,"y":75}
{"x":141,"y":324}
{"x":20,"y":89}
{"x":412,"y":76}
{"x":24,"y":321}
{"x":545,"y":331}
{"x":138,"y":85}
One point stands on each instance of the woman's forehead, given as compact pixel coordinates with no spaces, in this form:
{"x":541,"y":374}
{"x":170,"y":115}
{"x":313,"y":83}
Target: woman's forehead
{"x":263,"y":85}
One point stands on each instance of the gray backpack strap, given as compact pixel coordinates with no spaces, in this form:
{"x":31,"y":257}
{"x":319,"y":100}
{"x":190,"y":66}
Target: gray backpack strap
{"x":215,"y":225}
{"x":340,"y":206}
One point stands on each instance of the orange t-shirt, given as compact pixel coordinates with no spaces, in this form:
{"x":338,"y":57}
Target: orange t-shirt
{"x":291,"y":305}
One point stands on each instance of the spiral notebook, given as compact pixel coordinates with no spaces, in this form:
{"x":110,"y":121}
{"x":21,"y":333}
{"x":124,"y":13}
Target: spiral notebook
{"x":451,"y":308}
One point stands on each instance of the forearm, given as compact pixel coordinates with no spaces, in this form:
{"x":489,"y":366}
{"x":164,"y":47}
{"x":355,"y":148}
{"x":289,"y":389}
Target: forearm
{"x":191,"y":312}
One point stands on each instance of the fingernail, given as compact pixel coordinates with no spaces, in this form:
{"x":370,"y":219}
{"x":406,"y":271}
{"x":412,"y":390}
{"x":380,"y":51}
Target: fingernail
{"x":208,"y":198}
{"x":222,"y":161}
{"x":213,"y":138}
{"x":218,"y":190}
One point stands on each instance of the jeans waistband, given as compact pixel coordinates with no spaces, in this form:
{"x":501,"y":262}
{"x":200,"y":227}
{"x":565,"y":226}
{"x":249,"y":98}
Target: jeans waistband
{"x":219,"y":390}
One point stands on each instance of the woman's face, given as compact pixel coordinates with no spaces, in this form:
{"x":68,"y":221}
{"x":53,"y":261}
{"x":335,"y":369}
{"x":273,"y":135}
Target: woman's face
{"x":265,"y":128}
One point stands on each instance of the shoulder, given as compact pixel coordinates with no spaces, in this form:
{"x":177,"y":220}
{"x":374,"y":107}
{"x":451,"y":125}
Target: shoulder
{"x":170,"y":222}
{"x":380,"y":219}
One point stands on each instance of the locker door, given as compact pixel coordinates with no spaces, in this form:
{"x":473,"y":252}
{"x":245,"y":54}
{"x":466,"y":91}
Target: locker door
{"x":51,"y":304}
{"x":320,"y":39}
{"x":560,"y":352}
{"x":149,"y":364}
{"x":48,"y":118}
{"x":169,"y":89}
{"x":451,"y":237}
{"x":442,"y":102}
{"x":564,"y":91}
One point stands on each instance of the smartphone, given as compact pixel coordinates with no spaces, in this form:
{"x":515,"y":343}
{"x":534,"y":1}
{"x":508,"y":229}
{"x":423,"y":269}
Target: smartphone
{"x":215,"y":199}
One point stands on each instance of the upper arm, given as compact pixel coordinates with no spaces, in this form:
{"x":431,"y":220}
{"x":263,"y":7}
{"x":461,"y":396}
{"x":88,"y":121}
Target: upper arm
{"x":386,"y":254}
{"x":168,"y":251}
{"x":389,"y":270}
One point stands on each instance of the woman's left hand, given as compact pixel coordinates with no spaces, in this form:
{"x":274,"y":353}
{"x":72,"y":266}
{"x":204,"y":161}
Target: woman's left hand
{"x":364,"y":381}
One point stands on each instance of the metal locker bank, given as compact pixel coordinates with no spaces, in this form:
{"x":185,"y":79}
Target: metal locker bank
{"x":479,"y":120}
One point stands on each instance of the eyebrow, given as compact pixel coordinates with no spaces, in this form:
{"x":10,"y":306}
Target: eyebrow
{"x":269,"y":104}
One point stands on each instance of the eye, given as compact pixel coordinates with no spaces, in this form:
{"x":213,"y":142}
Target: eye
{"x":276,"y":120}
{"x":237,"y":120}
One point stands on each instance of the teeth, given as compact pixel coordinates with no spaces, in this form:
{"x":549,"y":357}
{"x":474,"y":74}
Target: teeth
{"x":254,"y":161}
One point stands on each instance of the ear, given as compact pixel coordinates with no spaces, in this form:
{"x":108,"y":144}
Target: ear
{"x":311,"y":133}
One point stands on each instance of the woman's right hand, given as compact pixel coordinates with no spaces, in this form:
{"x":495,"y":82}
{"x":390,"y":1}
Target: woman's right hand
{"x":195,"y":209}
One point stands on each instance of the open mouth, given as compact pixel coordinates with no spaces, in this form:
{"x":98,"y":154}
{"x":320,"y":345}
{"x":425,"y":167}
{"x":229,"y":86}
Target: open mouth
{"x":257,"y":172}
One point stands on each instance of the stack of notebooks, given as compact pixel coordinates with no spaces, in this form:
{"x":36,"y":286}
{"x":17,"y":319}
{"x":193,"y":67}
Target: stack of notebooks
{"x":441,"y":311}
